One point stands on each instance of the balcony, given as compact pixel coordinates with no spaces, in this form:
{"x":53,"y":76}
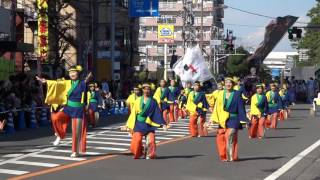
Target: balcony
{"x":170,"y":6}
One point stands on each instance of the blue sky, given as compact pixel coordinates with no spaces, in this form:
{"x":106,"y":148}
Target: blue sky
{"x":252,"y":36}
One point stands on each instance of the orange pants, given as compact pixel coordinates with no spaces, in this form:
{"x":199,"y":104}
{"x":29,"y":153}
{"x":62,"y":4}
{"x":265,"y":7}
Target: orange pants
{"x":272,"y":121}
{"x":257,"y":127}
{"x":92,"y":117}
{"x":227,"y":144}
{"x":194,"y":128}
{"x":173,"y":113}
{"x":281,"y":115}
{"x":60,"y":121}
{"x":165,"y":116}
{"x":182,"y":113}
{"x":137,"y":148}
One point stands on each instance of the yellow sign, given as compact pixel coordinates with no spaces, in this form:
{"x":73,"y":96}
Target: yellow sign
{"x":165,"y":34}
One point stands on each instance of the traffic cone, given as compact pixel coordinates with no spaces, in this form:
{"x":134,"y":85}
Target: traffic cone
{"x":33,"y":120}
{"x":10,"y":126}
{"x":44,"y":121}
{"x":21,"y":121}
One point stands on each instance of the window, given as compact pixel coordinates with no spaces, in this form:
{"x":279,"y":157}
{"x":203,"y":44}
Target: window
{"x":160,"y":49}
{"x":172,"y":48}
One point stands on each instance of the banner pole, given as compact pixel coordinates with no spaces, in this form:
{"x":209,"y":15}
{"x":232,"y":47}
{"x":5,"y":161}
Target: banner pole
{"x":165,"y":62}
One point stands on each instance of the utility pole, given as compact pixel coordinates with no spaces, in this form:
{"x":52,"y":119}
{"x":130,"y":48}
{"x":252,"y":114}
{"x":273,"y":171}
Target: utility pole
{"x":13,"y":26}
{"x":113,"y":29}
{"x":201,"y":27}
{"x":94,"y":32}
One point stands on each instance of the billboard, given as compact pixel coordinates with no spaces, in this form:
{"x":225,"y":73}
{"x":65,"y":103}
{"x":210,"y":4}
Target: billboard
{"x":165,"y":34}
{"x":143,"y":8}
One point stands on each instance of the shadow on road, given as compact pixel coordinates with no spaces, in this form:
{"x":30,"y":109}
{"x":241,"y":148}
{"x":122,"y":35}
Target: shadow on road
{"x":178,"y":157}
{"x":261,"y":158}
{"x":289,"y":128}
{"x":279,"y":137}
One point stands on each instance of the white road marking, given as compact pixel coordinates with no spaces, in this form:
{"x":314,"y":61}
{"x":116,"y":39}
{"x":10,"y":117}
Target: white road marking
{"x":107,"y":138}
{"x":175,"y":135}
{"x":181,"y":130}
{"x":13,"y":172}
{"x":109,"y":143}
{"x":56,"y":157}
{"x":12,"y":155}
{"x":30,"y":150}
{"x":69,"y":151}
{"x":292,"y":162}
{"x":34,"y":163}
{"x":163,"y":138}
{"x":107,"y":148}
{"x":171,"y":132}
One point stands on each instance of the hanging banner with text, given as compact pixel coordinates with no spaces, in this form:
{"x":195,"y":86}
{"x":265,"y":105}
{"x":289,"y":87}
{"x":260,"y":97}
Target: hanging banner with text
{"x":143,"y":8}
{"x":43,"y":30}
{"x":165,"y":34}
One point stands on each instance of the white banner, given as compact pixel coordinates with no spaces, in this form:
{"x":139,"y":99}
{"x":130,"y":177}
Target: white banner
{"x":192,"y":67}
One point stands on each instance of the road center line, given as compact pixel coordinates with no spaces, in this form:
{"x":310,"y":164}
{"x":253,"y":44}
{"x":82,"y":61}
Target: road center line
{"x":293,"y":162}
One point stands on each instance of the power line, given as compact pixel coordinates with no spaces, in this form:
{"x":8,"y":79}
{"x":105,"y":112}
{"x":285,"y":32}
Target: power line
{"x":244,"y":25}
{"x":248,"y":12}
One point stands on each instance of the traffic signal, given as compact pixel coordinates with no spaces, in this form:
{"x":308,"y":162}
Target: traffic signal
{"x":294,"y":30}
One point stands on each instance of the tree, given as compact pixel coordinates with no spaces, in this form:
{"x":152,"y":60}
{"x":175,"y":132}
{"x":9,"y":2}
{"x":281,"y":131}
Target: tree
{"x":311,"y":38}
{"x":237,"y":65}
{"x":61,"y":30}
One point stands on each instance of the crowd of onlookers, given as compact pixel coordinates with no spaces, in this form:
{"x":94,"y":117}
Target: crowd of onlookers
{"x":20,"y":91}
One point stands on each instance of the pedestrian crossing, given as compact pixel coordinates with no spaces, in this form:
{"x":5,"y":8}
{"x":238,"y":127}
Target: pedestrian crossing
{"x":101,"y":141}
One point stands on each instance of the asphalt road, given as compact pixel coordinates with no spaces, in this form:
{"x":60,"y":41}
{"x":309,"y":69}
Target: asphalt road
{"x":185,"y":158}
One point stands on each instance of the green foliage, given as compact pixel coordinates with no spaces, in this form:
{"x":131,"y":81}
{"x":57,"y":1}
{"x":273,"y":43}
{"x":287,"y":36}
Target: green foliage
{"x":311,"y":38}
{"x":237,"y":64}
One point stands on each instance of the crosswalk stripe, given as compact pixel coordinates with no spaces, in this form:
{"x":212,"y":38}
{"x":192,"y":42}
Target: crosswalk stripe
{"x":172,"y":132}
{"x":12,"y":172}
{"x":12,"y":155}
{"x":56,"y":157}
{"x":107,"y":148}
{"x":163,"y":138}
{"x":109,"y":143}
{"x":181,"y":130}
{"x":115,"y":135}
{"x":69,"y":151}
{"x":175,"y":135}
{"x":34,"y":163}
{"x":106,"y":138}
{"x":30,"y":150}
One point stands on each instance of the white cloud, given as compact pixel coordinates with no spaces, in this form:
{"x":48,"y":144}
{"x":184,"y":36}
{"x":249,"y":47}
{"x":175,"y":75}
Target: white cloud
{"x":253,"y":39}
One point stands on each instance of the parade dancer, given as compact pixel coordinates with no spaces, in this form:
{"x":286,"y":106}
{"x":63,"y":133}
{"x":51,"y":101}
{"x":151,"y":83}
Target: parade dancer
{"x":92,"y":104}
{"x":274,"y":106}
{"x":71,"y":93}
{"x":132,"y":98}
{"x":144,"y":119}
{"x":240,"y":88}
{"x":258,"y":113}
{"x":229,"y":113}
{"x":197,"y":106}
{"x":285,"y":96}
{"x":161,"y":96}
{"x":182,"y":101}
{"x":172,"y":101}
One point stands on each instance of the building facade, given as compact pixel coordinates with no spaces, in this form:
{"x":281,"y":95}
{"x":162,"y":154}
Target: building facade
{"x":173,"y":12}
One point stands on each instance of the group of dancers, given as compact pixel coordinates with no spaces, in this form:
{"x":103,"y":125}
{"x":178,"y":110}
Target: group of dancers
{"x":227,"y":105}
{"x":158,"y":107}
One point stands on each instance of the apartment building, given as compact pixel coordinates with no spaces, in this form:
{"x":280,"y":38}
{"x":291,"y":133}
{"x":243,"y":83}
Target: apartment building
{"x":171,"y":13}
